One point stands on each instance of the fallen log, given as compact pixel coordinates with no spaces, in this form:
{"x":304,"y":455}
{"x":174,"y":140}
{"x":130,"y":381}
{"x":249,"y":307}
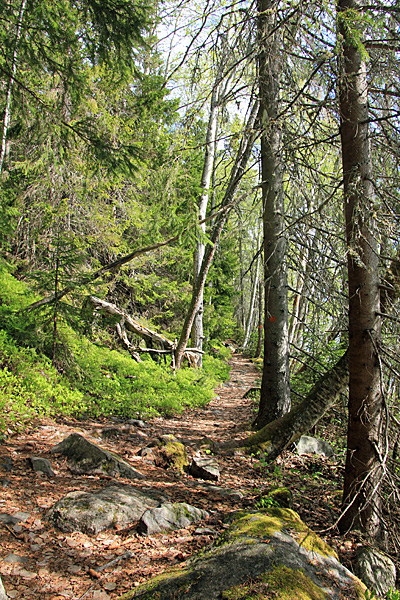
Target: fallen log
{"x":127,"y":323}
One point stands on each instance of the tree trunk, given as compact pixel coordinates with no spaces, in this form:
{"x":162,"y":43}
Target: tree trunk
{"x":239,"y":167}
{"x":275,"y":387}
{"x":7,"y":109}
{"x":197,"y":329}
{"x":252,"y":307}
{"x":260,"y":320}
{"x":363,"y":470}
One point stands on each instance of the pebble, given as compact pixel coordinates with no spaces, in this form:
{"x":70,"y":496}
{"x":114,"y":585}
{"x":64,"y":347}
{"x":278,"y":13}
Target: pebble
{"x":22,"y":516}
{"x":15,"y":559}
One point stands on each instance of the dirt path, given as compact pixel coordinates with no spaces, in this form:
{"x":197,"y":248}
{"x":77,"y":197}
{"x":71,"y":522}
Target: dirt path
{"x":38,"y":561}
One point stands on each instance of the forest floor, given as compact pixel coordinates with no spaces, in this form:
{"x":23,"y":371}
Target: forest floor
{"x":39,"y":561}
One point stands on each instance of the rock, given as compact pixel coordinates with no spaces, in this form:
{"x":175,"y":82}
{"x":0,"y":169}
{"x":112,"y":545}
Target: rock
{"x":7,"y":464}
{"x":282,"y":496}
{"x":221,"y":491}
{"x":170,"y":516}
{"x":86,"y":457}
{"x":22,"y":516}
{"x":15,"y":559}
{"x":204,"y":468}
{"x":257,"y":557}
{"x":92,"y":512}
{"x":311,"y":445}
{"x":8,"y":519}
{"x":171,"y":453}
{"x":42,"y":464}
{"x":137,"y":423}
{"x":3,"y":595}
{"x":376,"y":570}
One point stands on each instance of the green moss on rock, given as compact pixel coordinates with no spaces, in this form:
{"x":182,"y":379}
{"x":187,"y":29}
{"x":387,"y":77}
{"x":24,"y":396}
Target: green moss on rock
{"x":282,"y":583}
{"x":148,"y":591}
{"x":265,"y":523}
{"x":282,"y":496}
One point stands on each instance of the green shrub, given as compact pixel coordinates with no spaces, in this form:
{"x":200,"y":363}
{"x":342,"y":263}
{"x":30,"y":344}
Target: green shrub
{"x":92,"y":379}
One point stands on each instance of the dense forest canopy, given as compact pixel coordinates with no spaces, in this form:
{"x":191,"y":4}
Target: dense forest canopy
{"x":225,"y":171}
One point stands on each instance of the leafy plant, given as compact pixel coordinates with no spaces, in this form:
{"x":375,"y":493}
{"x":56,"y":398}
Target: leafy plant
{"x":266,"y":502}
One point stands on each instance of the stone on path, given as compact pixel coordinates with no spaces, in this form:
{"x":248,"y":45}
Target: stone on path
{"x":311,"y":445}
{"x":93,"y":512}
{"x":42,"y":465}
{"x":261,"y":554}
{"x":376,"y":570}
{"x":204,"y":468}
{"x":3,"y":595}
{"x":87,"y":457}
{"x":170,"y":516}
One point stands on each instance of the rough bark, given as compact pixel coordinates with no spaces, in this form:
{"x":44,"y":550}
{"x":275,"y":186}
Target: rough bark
{"x":275,"y":387}
{"x":363,"y":469}
{"x":252,"y":307}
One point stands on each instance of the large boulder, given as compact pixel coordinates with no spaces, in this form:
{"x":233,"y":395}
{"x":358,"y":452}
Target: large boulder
{"x":376,"y":570}
{"x":265,"y":554}
{"x":170,"y":516}
{"x":86,"y":457}
{"x":92,"y":512}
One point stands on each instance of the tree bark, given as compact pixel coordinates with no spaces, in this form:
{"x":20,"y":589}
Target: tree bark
{"x":197,"y":329}
{"x":7,"y":109}
{"x":252,"y":307}
{"x":275,"y":387}
{"x":238,"y":169}
{"x":363,"y":470}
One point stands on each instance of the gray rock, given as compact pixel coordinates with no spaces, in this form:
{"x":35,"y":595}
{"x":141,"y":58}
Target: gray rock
{"x":87,"y":457}
{"x":170,"y":516}
{"x":42,"y":464}
{"x":15,"y":559}
{"x":221,"y":491}
{"x":311,"y":445}
{"x":8,"y":519}
{"x":22,"y":516}
{"x":376,"y":570}
{"x":256,"y":553}
{"x":204,"y":468}
{"x":3,"y":595}
{"x":93,"y":512}
{"x":137,"y":423}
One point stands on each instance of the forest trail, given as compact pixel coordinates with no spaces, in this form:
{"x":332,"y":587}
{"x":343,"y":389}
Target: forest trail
{"x":226,"y":414}
{"x":40,"y":561}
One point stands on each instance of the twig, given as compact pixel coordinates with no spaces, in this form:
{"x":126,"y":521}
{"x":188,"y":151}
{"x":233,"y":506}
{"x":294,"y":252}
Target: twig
{"x":127,"y":554}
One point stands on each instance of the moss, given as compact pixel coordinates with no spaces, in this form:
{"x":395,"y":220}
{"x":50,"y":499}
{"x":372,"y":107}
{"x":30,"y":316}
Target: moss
{"x":147,"y":590}
{"x":282,"y":495}
{"x":265,"y":523}
{"x":175,"y":454}
{"x":281,"y":583}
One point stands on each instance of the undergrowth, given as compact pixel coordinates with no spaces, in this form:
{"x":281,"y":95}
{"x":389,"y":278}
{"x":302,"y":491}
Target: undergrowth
{"x":95,"y":381}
